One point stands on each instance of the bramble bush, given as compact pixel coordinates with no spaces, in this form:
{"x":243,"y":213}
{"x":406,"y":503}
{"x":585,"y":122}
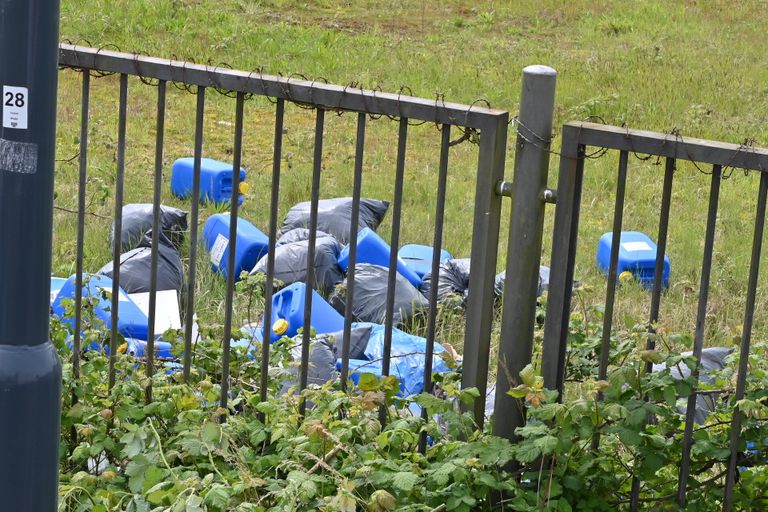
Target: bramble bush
{"x":182,"y":452}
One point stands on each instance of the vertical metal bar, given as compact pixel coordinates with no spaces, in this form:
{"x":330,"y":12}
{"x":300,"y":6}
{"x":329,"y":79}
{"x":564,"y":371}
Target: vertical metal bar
{"x":485,"y":239}
{"x":354,"y":226}
{"x":236,"y":159}
{"x":159,"y":142}
{"x":189,"y":309}
{"x":442,"y":182}
{"x":746,"y":338}
{"x":563,"y":260}
{"x":698,"y":341}
{"x":118,"y":239}
{"x":81,"y":190}
{"x":30,"y":369}
{"x":661,"y":244}
{"x":273,"y":209}
{"x":310,"y":278}
{"x":397,"y":210}
{"x":666,"y":201}
{"x":534,"y":131}
{"x":610,"y":293}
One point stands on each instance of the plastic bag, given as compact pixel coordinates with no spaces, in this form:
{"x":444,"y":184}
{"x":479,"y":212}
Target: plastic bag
{"x":452,"y":283}
{"x":297,"y":235}
{"x":407,"y":361}
{"x":137,"y":222}
{"x":712,"y":360}
{"x":334,"y":216}
{"x":370,"y":303}
{"x":291,"y":263}
{"x":136,"y":266}
{"x":498,"y":286}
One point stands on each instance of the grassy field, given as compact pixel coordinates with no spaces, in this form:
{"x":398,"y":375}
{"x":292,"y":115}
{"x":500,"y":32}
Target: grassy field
{"x":696,"y":66}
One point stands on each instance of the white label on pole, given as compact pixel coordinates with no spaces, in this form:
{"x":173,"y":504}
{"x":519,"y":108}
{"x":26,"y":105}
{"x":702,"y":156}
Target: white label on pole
{"x":636,"y":246}
{"x":217,"y":251}
{"x":15,"y":101}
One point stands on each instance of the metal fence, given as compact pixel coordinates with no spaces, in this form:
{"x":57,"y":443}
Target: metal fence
{"x":484,"y":124}
{"x":529,"y":190}
{"x":576,"y":138}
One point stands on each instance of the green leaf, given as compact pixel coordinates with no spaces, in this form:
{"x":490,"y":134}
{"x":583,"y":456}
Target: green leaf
{"x":218,"y":497}
{"x":528,"y":375}
{"x":211,"y":433}
{"x":404,"y":480}
{"x":546,"y":444}
{"x":527,"y":452}
{"x":368,"y":382}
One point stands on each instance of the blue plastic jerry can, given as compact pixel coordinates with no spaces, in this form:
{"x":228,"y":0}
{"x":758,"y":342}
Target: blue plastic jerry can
{"x":419,"y":258}
{"x":637,"y":256}
{"x":215,"y":180}
{"x":56,"y":284}
{"x":131,"y":321}
{"x":288,"y":313}
{"x":371,"y":248}
{"x":250,"y":246}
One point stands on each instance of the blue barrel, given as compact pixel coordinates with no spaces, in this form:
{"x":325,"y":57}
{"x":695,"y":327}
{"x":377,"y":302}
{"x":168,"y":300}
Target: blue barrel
{"x":215,"y":180}
{"x":252,"y":244}
{"x":131,"y":322}
{"x":419,"y":258}
{"x":637,"y":255}
{"x":288,"y":307}
{"x":371,"y":248}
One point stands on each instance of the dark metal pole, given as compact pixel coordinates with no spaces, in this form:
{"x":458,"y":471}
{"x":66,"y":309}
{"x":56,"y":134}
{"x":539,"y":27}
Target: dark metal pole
{"x":30,"y":371}
{"x":534,"y":133}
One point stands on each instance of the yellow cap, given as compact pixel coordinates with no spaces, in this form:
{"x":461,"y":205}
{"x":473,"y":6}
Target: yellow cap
{"x":280,"y":326}
{"x":626,"y":276}
{"x":122,"y":348}
{"x":244,"y":187}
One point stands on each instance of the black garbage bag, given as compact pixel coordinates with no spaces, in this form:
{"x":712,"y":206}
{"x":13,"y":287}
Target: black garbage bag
{"x":137,"y":222}
{"x":498,"y":286}
{"x":291,"y":263}
{"x":297,"y":235}
{"x":358,"y":339}
{"x":334,"y":216}
{"x":370,"y":304}
{"x":136,"y":266}
{"x":452,"y":282}
{"x":712,"y":360}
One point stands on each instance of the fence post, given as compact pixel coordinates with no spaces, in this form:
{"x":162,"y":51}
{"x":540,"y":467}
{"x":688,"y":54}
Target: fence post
{"x":534,"y":134}
{"x":485,"y":239}
{"x":30,"y":371}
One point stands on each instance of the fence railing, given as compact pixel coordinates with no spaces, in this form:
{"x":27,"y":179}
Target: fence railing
{"x":576,"y":137}
{"x":532,"y":151}
{"x":489,"y":126}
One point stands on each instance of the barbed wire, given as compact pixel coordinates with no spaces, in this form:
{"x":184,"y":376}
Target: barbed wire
{"x":179,"y":79}
{"x":524,"y":133}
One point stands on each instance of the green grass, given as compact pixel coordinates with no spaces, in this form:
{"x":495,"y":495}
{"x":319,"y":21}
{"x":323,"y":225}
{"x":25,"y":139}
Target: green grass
{"x":653,"y":65}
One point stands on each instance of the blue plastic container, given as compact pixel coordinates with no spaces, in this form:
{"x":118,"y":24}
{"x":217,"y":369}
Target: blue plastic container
{"x":131,"y":323}
{"x":251,"y":245}
{"x":288,"y":305}
{"x":215,"y":180}
{"x":637,"y":254}
{"x":56,"y":284}
{"x":138,"y":348}
{"x":371,"y":248}
{"x":419,"y":258}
